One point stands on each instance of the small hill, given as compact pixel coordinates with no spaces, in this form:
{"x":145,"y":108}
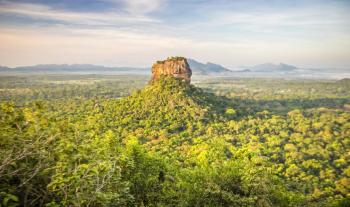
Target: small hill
{"x":170,"y":103}
{"x":170,"y":98}
{"x":344,"y":80}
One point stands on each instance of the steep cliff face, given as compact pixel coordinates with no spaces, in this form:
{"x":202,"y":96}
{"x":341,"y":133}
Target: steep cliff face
{"x":174,"y":66}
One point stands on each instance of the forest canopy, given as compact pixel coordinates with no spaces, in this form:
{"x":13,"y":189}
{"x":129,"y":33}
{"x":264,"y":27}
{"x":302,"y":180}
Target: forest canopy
{"x":269,"y":143}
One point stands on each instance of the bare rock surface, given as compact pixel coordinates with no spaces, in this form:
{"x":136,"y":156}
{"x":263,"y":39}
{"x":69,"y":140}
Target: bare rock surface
{"x":173,"y":66}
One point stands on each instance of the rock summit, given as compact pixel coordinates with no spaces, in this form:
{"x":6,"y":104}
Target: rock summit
{"x":173,"y":66}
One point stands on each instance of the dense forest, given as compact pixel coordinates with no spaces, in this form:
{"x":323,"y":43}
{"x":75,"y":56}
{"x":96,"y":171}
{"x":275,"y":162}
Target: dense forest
{"x":86,"y":140}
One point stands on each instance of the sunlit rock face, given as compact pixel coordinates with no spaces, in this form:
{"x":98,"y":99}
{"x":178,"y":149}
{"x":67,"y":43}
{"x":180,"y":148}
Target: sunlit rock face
{"x":174,"y":66}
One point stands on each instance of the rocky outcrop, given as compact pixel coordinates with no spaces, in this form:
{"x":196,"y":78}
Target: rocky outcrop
{"x":175,"y":66}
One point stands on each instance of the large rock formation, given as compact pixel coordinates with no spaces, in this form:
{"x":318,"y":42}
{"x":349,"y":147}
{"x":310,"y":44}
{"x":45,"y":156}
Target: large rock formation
{"x":173,"y":66}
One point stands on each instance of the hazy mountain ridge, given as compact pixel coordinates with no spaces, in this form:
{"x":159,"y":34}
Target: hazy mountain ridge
{"x":270,"y":67}
{"x":266,"y":70}
{"x":208,"y":68}
{"x":73,"y":68}
{"x":283,"y":70}
{"x":197,"y":68}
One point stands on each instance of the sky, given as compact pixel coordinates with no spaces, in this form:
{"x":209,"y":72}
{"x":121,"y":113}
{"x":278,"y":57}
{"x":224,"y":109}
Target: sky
{"x":305,"y":33}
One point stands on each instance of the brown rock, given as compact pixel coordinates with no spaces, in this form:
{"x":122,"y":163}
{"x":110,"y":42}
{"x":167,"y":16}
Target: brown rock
{"x":174,"y":66}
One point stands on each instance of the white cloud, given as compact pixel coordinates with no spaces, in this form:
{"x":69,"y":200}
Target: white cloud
{"x":106,"y":46}
{"x":143,"y":6}
{"x":133,"y":38}
{"x":80,"y":18}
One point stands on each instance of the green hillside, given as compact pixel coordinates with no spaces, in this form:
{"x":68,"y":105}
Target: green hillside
{"x":171,"y":144}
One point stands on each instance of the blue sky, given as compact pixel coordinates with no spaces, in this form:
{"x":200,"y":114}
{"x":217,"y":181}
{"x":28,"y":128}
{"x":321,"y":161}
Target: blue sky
{"x":309,"y":33}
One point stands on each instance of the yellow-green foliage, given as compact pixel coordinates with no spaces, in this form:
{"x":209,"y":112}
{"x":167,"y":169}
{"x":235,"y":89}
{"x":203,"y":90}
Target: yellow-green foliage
{"x":172,"y":144}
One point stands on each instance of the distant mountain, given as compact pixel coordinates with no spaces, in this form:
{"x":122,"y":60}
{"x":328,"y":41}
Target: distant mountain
{"x":197,"y":68}
{"x":74,"y":68}
{"x":3,"y":68}
{"x":207,"y":69}
{"x":268,"y":70}
{"x":271,"y":67}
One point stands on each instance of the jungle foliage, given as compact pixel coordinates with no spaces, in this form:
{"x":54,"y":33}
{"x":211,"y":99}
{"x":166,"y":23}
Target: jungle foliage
{"x":174,"y":144}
